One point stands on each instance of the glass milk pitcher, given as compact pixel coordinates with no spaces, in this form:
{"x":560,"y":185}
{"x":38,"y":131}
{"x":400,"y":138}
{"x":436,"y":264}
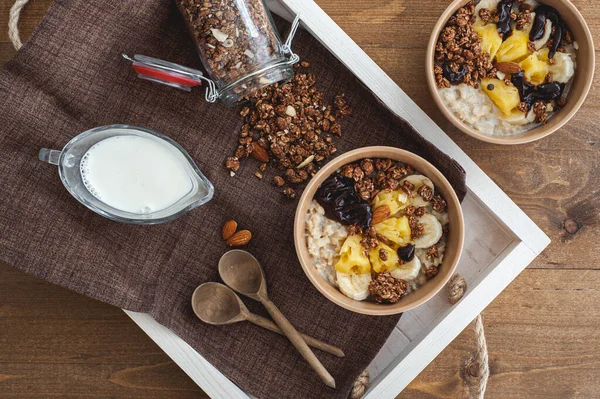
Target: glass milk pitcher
{"x":130,"y":174}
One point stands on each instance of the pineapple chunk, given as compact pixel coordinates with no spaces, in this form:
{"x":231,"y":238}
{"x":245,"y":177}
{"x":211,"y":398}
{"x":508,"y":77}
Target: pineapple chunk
{"x":514,"y":48}
{"x":491,"y":40}
{"x":380,"y":265}
{"x":352,"y":259}
{"x":535,"y":70}
{"x":395,"y":200}
{"x":506,"y":98}
{"x":397,"y":230}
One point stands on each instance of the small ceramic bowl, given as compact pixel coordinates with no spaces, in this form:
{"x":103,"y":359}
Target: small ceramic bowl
{"x":582,"y":81}
{"x":453,"y":247}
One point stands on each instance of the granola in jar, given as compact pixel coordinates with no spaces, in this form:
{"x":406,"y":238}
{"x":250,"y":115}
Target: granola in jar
{"x":235,"y":40}
{"x":501,"y":66}
{"x":377,"y":230}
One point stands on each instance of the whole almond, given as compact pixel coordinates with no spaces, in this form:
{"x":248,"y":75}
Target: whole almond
{"x":380,"y":214}
{"x":229,"y":229}
{"x":240,"y":238}
{"x":260,"y":154}
{"x":508,"y":67}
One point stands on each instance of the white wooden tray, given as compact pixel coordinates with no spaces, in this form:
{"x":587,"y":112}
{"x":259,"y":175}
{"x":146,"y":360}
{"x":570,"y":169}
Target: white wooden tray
{"x":500,"y":241}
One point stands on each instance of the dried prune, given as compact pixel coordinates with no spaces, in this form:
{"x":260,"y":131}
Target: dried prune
{"x":548,"y":91}
{"x":504,"y":21}
{"x":558,"y":27}
{"x":358,"y":213}
{"x":530,"y":93}
{"x":525,"y":89}
{"x":538,"y":27}
{"x":455,"y":77}
{"x":330,"y":189}
{"x":407,"y":252}
{"x":338,"y":197}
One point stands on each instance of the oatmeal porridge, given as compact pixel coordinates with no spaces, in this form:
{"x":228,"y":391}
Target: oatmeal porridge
{"x":504,"y":67}
{"x":377,"y":229}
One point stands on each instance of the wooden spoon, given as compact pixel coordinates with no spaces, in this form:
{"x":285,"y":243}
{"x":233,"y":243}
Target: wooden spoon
{"x":217,"y":304}
{"x":242,"y":272}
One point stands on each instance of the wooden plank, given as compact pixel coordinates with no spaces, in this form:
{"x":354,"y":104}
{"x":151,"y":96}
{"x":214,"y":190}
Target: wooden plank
{"x":55,"y":343}
{"x":543,"y":340}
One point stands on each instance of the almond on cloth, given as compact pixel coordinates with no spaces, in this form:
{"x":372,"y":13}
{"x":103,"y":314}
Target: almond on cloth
{"x":508,"y":67}
{"x":380,"y":214}
{"x":240,"y":238}
{"x":259,"y":153}
{"x":229,"y":229}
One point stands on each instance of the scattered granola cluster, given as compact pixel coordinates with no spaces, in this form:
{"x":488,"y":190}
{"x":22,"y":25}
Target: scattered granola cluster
{"x":231,"y":44}
{"x":291,"y":125}
{"x":458,"y":51}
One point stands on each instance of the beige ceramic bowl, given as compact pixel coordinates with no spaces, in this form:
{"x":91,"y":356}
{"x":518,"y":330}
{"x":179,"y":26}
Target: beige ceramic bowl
{"x":581,"y":84}
{"x":453,"y":247}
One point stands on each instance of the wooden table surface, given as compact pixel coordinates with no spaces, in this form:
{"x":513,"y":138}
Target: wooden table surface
{"x":543,"y":331}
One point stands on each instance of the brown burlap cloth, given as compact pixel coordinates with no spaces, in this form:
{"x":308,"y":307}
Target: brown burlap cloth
{"x":69,"y":77}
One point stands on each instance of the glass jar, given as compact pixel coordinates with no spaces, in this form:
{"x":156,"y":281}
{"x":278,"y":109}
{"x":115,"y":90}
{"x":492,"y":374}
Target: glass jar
{"x":238,"y":45}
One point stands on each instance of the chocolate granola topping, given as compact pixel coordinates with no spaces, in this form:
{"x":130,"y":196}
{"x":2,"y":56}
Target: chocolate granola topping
{"x":425,"y":192}
{"x":370,"y":177}
{"x":431,"y":272}
{"x":432,"y":252}
{"x":383,"y":255}
{"x":439,"y":203}
{"x":387,"y":289}
{"x":458,"y":54}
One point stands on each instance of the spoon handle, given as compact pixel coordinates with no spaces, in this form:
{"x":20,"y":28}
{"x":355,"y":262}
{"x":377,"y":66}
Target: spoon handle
{"x":294,"y":336}
{"x":315,"y":343}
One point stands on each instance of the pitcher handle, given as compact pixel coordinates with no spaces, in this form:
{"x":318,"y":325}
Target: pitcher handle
{"x":50,"y":156}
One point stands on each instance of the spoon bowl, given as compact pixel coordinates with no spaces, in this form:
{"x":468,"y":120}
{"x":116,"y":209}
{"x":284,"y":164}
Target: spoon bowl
{"x":242,"y":272}
{"x":216,"y":304}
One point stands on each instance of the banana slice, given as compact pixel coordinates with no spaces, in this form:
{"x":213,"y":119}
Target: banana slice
{"x":355,"y":286}
{"x":520,"y":118}
{"x":408,"y":271}
{"x":563,"y":68}
{"x":432,"y":231}
{"x":417,"y":180}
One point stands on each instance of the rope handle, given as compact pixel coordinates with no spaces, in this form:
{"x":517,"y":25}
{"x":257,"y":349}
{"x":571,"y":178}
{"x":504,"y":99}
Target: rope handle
{"x":13,"y":21}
